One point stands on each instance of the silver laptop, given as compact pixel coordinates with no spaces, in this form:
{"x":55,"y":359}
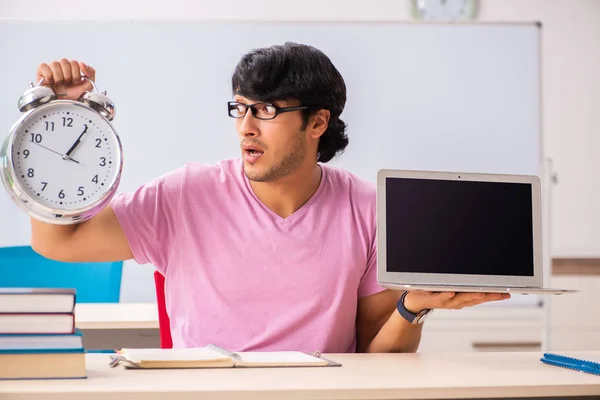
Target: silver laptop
{"x":442,"y":231}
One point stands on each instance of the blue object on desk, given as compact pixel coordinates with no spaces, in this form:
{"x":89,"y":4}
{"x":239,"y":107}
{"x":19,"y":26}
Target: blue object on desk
{"x":577,"y":364}
{"x":95,"y":282}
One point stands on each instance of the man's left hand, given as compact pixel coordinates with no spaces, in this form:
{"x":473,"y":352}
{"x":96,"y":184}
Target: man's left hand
{"x":415,"y":301}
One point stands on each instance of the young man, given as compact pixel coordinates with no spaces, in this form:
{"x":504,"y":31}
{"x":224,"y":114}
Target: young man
{"x":271,"y":251}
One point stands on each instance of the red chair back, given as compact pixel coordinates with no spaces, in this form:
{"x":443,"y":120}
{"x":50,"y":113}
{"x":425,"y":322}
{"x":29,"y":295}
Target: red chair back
{"x":164,"y":324}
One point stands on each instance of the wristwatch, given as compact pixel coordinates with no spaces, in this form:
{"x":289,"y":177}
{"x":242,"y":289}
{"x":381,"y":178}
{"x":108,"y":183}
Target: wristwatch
{"x":409,"y":316}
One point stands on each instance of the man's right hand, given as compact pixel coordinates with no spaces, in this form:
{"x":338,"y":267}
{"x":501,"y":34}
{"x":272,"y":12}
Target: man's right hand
{"x":64,"y":76}
{"x":100,"y":238}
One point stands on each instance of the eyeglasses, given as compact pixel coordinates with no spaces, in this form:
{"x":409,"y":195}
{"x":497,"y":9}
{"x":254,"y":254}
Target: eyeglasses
{"x":259,"y":110}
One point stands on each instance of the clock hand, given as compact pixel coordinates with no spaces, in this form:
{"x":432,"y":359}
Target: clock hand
{"x":76,"y":143}
{"x":56,"y":152}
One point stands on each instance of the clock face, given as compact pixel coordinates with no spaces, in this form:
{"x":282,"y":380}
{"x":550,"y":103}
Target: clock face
{"x":444,"y":10}
{"x":66,"y":156}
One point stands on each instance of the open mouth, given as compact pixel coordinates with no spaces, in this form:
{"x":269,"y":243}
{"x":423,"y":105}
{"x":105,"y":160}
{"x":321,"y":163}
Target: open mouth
{"x":252,"y":153}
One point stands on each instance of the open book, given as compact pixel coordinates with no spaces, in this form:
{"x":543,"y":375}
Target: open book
{"x":213,"y":356}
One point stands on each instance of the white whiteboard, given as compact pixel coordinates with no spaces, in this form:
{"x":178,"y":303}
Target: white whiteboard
{"x":420,"y":96}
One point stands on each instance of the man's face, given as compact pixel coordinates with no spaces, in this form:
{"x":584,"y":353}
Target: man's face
{"x":271,"y":149}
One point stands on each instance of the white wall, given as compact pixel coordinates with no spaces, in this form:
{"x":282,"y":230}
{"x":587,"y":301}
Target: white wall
{"x":571,"y":116}
{"x":571,"y":79}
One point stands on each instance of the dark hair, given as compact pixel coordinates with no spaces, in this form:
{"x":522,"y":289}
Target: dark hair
{"x":301,"y":72}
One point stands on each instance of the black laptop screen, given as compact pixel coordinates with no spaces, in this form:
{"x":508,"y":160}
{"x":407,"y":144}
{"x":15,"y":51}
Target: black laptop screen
{"x":459,"y":227}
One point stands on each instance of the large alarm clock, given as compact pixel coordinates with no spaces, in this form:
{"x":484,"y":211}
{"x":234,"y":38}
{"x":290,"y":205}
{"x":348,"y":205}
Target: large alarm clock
{"x":62,"y":160}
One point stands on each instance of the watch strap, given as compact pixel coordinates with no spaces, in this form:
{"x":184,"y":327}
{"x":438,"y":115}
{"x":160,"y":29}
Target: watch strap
{"x":408,"y":315}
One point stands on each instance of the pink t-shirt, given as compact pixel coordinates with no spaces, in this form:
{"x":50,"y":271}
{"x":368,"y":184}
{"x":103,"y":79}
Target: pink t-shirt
{"x":240,"y":276}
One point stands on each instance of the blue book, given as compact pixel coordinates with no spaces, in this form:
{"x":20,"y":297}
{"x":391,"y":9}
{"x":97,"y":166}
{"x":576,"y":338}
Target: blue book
{"x":42,"y":351}
{"x":588,"y":365}
{"x":41,"y":341}
{"x":43,"y":364}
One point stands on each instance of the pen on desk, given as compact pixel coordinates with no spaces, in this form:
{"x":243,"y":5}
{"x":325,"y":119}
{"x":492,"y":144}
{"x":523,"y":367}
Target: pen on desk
{"x":114,"y":361}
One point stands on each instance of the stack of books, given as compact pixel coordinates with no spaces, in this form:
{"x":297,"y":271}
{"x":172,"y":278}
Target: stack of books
{"x":38,"y":338}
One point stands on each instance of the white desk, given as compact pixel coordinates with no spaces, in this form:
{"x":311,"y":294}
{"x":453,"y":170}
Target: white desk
{"x":118,"y":325}
{"x":362,"y":376}
{"x":116,"y":316}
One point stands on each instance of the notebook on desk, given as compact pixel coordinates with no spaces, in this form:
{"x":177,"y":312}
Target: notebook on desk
{"x":213,"y":356}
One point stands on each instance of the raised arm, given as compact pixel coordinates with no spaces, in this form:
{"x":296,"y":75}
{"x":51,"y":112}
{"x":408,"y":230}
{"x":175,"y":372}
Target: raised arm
{"x":100,"y":238}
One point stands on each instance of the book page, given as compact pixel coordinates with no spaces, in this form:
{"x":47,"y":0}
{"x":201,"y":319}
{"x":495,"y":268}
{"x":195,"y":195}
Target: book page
{"x":170,"y":355}
{"x":279,"y":358}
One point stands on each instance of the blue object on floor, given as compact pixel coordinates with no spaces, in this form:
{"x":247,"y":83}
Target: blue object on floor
{"x":95,"y":282}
